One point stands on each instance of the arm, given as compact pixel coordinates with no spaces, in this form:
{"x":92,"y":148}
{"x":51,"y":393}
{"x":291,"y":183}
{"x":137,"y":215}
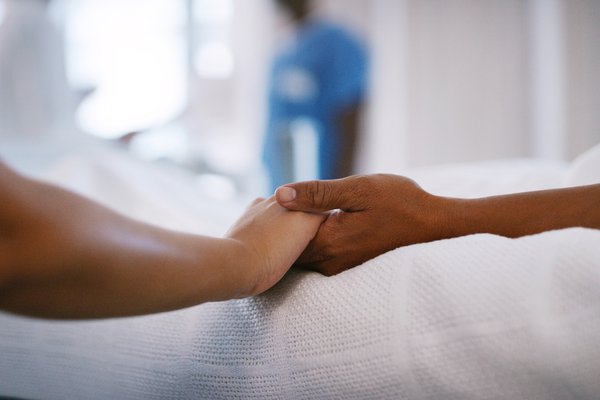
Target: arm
{"x":348,"y":121}
{"x":382,"y":212}
{"x":64,"y":256}
{"x":521,"y":214}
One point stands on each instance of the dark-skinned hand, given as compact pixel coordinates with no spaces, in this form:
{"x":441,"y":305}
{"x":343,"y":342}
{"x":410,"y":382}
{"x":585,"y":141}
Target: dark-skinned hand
{"x":367,"y":216}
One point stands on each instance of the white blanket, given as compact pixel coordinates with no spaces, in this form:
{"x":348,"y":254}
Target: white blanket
{"x":475,"y":317}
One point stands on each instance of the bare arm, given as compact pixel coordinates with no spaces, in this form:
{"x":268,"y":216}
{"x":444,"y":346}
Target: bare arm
{"x":348,"y":122}
{"x":382,"y":212}
{"x":64,"y":256}
{"x":521,"y":214}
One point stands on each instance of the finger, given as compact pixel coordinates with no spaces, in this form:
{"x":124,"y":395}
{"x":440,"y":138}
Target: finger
{"x":315,"y":196}
{"x":317,"y":249}
{"x":255,"y":202}
{"x":322,"y":249}
{"x":337,"y":245}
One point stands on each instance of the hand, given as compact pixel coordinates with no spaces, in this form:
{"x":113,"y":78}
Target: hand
{"x":375,"y":214}
{"x":272,"y":238}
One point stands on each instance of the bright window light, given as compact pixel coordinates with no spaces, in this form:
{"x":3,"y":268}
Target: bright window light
{"x":213,"y":54}
{"x":214,"y":61}
{"x":165,"y":143}
{"x":134,"y":57}
{"x":213,"y":11}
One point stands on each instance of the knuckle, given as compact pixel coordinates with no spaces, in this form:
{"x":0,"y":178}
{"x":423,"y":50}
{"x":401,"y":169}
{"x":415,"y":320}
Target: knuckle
{"x":379,"y":181}
{"x":363,"y":190}
{"x":318,"y":193}
{"x":366,"y":184}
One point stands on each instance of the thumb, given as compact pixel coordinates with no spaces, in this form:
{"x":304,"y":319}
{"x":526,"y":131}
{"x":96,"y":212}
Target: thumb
{"x":318,"y":196}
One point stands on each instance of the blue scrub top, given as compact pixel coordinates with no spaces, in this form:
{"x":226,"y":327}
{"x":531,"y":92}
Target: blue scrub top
{"x":321,"y":73}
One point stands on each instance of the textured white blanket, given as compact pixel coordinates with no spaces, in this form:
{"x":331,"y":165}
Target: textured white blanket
{"x":474,"y":317}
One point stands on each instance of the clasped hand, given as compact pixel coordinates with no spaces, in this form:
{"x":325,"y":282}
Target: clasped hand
{"x":65,"y":256}
{"x":366,"y":215}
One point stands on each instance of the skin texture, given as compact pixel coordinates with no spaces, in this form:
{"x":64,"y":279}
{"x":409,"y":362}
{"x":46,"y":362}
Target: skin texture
{"x":64,"y":256}
{"x":377,"y":213}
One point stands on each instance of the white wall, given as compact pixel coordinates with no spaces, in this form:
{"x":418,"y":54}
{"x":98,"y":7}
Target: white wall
{"x":384,"y":143}
{"x":473,"y":80}
{"x":583,"y":69}
{"x":453,"y":80}
{"x":467,"y":81}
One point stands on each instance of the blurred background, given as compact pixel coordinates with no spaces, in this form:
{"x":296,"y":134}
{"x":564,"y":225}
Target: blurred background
{"x":186,"y":82}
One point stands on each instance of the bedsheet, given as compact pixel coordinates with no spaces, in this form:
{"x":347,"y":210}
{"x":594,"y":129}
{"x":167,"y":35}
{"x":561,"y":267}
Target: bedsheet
{"x":475,"y":317}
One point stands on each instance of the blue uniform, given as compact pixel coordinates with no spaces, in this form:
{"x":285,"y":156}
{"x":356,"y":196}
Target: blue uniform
{"x":320,"y":74}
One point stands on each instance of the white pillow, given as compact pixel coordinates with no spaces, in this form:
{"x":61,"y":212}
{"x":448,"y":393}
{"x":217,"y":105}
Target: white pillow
{"x":585,"y":169}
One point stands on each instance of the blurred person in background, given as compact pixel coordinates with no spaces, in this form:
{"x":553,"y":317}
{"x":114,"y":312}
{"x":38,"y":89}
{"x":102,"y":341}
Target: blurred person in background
{"x":319,"y":77}
{"x":35,"y":98}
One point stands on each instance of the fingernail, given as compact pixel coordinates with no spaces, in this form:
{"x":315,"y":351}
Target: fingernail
{"x":286,"y":194}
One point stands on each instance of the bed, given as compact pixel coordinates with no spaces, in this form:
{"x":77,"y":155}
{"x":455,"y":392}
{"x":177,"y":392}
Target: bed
{"x":474,"y":317}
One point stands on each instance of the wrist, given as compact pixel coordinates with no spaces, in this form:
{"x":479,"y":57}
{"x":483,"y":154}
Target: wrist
{"x":240,"y":275}
{"x":454,"y":217}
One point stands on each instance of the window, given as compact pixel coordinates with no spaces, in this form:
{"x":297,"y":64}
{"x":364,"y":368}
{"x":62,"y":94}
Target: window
{"x":213,"y":54}
{"x":132,"y":54}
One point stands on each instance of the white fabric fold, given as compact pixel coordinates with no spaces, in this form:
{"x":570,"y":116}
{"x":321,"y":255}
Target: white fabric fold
{"x":475,"y":317}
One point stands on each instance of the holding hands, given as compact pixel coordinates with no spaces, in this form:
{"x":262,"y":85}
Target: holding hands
{"x":371,"y":214}
{"x":272,"y":238}
{"x":65,"y":256}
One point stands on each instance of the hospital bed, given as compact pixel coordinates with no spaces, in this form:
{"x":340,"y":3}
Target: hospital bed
{"x":475,"y":317}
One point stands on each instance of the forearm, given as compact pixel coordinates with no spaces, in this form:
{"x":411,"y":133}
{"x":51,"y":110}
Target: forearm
{"x":348,"y":125}
{"x":520,"y":214}
{"x":72,"y":258}
{"x":149,"y":272}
